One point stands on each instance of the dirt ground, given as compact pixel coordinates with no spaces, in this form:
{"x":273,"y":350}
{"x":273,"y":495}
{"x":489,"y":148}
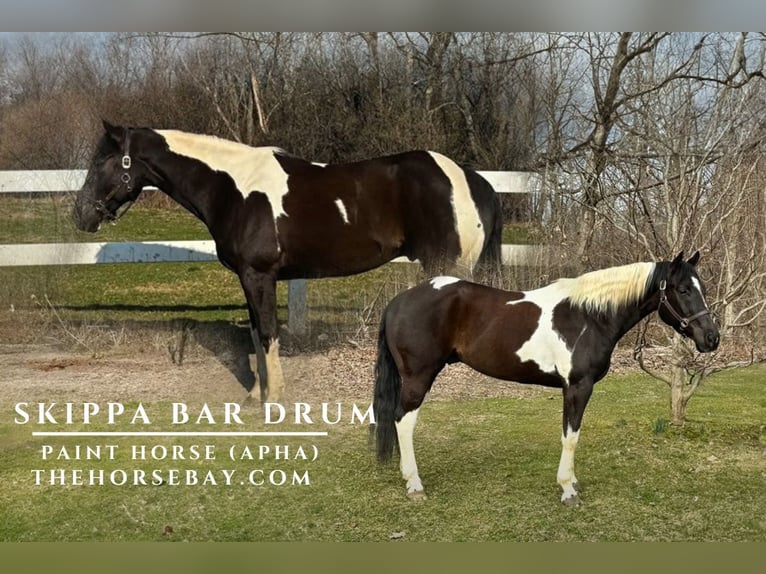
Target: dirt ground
{"x":198,"y":362}
{"x":36,"y":373}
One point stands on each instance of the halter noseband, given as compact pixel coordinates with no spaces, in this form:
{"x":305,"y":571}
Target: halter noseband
{"x":683,"y":321}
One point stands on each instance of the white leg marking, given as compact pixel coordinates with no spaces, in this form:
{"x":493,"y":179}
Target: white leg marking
{"x":566,"y":476}
{"x":407,"y":464}
{"x":342,"y":209}
{"x":274,"y":369}
{"x":468,"y":224}
{"x":439,"y":282}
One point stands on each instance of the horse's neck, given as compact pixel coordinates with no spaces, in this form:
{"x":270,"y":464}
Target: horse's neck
{"x":629,"y":316}
{"x":183,"y":190}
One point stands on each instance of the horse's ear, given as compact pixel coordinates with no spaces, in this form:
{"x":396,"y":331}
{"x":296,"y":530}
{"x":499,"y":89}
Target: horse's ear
{"x":678,"y":260}
{"x":116,"y":133}
{"x":694,"y":259}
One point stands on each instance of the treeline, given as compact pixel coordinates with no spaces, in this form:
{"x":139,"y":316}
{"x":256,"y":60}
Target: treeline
{"x":644,"y":143}
{"x":328,"y":97}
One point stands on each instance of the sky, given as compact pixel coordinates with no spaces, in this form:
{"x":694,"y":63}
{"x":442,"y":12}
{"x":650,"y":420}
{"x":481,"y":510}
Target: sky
{"x":315,"y":15}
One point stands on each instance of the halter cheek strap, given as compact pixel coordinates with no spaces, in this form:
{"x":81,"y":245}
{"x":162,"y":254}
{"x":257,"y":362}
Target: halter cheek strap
{"x":126,"y":163}
{"x":683,"y":321}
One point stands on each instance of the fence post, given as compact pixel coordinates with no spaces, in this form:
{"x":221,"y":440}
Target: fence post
{"x":296,"y":306}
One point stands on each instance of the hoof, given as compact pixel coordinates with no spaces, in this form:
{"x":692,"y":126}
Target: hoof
{"x":417,"y":495}
{"x":572,"y":501}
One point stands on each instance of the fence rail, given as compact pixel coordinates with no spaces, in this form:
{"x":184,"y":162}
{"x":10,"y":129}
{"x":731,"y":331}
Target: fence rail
{"x":67,"y":181}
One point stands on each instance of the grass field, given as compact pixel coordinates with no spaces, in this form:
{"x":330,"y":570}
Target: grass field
{"x":488,"y":467}
{"x":165,"y":291}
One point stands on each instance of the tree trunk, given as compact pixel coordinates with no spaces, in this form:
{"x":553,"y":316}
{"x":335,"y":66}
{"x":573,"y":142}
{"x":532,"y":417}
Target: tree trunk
{"x":679,"y":391}
{"x":585,"y":230}
{"x":678,"y":399}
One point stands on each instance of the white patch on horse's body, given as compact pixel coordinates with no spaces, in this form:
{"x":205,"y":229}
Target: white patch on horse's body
{"x":404,"y":431}
{"x":566,"y":477}
{"x":598,"y":291}
{"x":698,"y":287}
{"x":439,"y":282}
{"x":468,"y":224}
{"x":251,"y":168}
{"x":546,"y":348}
{"x":342,"y":209}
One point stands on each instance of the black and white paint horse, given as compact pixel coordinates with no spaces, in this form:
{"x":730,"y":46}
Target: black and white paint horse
{"x":274,"y":216}
{"x":561,"y":335}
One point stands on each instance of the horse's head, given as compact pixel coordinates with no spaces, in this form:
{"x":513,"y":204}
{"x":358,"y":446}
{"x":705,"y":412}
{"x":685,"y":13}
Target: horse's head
{"x":114,"y":179}
{"x":682,"y":304}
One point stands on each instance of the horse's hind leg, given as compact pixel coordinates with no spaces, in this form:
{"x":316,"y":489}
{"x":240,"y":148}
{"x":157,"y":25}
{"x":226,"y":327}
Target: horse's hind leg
{"x":413,"y":392}
{"x":407,"y":464}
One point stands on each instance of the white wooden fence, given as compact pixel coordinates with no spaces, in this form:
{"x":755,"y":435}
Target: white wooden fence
{"x":63,"y":181}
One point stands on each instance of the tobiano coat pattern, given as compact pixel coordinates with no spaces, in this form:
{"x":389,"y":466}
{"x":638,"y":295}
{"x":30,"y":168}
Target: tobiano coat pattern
{"x":561,"y":335}
{"x":275,"y":216}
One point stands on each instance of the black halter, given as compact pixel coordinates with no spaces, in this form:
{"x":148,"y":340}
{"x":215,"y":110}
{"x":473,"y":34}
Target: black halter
{"x":683,"y":321}
{"x":126,"y":163}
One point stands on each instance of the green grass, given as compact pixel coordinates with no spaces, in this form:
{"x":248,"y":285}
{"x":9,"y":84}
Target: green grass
{"x":488,"y":467}
{"x":519,"y":233}
{"x":113,"y":293}
{"x":162,"y":291}
{"x":47,"y":220}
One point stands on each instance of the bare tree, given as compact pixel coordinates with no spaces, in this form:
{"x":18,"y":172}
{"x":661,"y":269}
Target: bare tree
{"x":646,"y":143}
{"x":657,"y":155}
{"x":687,"y":175}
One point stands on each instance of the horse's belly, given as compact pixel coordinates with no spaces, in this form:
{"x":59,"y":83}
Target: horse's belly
{"x":317,"y":260}
{"x":512,"y":369}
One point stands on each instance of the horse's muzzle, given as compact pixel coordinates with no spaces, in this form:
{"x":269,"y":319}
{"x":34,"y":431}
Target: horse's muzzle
{"x":86,"y":218}
{"x":710,"y":341}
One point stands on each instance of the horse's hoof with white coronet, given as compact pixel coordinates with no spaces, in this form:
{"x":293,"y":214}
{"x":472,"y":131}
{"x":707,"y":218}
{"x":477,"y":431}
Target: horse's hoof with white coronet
{"x":417,"y":495}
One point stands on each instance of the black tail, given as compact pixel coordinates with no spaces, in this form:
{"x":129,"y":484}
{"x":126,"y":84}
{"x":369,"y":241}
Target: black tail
{"x":487,"y":203}
{"x":386,"y":402}
{"x":491,"y":256}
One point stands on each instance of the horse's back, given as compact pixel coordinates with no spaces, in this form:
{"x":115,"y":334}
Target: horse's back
{"x":448,"y":309}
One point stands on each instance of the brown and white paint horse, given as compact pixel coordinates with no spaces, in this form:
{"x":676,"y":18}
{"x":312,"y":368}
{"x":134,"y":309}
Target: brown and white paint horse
{"x":561,"y":335}
{"x":274,"y":216}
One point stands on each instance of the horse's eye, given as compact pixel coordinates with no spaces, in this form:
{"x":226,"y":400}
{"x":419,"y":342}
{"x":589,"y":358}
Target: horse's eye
{"x":683,"y":290}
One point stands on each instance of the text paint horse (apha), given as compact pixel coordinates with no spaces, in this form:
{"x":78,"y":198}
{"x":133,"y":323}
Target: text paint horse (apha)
{"x":274,"y":216}
{"x":562,"y":335}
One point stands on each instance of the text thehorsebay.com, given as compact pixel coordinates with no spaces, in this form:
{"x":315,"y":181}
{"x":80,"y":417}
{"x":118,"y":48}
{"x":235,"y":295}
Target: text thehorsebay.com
{"x":177,"y":444}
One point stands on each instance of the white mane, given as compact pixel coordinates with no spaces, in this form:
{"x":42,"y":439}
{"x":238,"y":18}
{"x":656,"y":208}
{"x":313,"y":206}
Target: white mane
{"x":608,"y":289}
{"x":251,"y":168}
{"x":213,"y":150}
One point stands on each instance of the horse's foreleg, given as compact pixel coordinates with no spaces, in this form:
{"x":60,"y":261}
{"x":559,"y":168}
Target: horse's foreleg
{"x":260,"y":291}
{"x":566,"y":477}
{"x":260,"y":359}
{"x":575,"y":400}
{"x":274,"y":367}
